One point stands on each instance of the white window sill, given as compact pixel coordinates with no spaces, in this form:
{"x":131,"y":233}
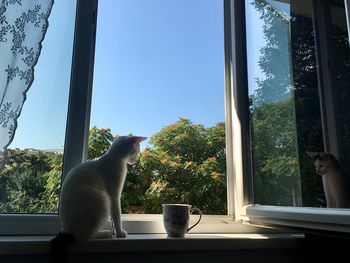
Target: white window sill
{"x":31,"y":225}
{"x":17,"y":245}
{"x":324,"y":219}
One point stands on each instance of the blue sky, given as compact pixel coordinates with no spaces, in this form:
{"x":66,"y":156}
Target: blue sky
{"x":42,"y":121}
{"x":156,"y":61}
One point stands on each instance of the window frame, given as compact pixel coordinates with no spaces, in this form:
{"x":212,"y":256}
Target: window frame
{"x":79,"y":101}
{"x":297,"y":218}
{"x":347,"y":15}
{"x":243,"y":215}
{"x":77,"y":129}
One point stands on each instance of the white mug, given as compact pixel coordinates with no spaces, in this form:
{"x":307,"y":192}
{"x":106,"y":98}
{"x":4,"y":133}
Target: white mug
{"x":176,"y":219}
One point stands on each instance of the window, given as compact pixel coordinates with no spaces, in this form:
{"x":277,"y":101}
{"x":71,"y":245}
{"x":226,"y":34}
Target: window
{"x":159,"y":72}
{"x":298,"y":55}
{"x":194,"y":101}
{"x":29,"y":183}
{"x":284,"y":95}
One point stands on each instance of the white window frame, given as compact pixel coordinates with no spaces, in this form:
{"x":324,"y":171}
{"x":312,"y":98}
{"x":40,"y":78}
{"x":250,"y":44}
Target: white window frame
{"x":300,"y":218}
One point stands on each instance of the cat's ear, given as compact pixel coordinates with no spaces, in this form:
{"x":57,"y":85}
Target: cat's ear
{"x":314,"y":155}
{"x":138,"y":139}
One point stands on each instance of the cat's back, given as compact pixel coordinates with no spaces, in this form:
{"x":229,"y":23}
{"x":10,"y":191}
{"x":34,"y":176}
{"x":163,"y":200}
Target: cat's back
{"x":339,"y":181}
{"x":86,"y":174}
{"x":83,"y":191}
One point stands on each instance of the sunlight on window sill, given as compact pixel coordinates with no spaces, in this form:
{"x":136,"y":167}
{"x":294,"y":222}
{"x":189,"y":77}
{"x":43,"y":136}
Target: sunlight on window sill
{"x":154,"y":242}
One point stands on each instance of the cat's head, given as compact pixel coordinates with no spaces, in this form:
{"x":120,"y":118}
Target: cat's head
{"x":128,"y":147}
{"x":323,"y":161}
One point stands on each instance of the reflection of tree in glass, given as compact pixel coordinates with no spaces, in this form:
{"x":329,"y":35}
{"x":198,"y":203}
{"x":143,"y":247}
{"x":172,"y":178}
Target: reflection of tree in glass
{"x":272,"y":116}
{"x":307,"y":107}
{"x":341,"y":64}
{"x":300,"y":111}
{"x":274,"y":61}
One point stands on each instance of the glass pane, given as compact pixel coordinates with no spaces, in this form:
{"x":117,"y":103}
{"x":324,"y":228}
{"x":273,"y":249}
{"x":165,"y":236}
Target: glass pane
{"x":339,"y":45}
{"x":30,"y":181}
{"x":272,"y":105}
{"x":159,"y":72}
{"x":298,"y":59}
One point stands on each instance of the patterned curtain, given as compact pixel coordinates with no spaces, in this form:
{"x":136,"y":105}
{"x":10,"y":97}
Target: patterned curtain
{"x":23,"y":24}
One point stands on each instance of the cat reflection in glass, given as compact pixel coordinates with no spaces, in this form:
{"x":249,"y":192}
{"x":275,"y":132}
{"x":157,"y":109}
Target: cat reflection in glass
{"x":336,"y":183}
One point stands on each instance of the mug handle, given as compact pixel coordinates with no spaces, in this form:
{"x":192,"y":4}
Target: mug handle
{"x":200,"y":217}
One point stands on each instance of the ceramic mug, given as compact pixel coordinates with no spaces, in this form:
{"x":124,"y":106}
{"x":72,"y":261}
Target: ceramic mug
{"x":176,"y":218}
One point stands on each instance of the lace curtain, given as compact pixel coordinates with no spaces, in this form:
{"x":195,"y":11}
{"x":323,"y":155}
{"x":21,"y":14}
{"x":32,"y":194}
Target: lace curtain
{"x":23,"y":24}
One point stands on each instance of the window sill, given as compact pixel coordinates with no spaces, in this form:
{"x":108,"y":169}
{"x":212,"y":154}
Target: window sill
{"x":304,"y":218}
{"x":17,"y":245}
{"x":46,"y":225}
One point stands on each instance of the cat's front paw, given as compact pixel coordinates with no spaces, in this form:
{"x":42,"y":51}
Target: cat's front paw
{"x":121,"y":234}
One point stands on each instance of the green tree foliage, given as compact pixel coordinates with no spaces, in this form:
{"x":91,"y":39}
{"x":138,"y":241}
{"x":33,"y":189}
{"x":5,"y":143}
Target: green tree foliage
{"x":135,"y":187}
{"x":186,"y":164}
{"x":276,"y":180}
{"x":23,"y":181}
{"x":99,"y":142}
{"x":50,"y":196}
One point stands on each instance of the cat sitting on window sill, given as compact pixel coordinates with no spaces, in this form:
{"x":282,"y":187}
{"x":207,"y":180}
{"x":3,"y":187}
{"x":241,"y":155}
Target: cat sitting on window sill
{"x":91,"y":194}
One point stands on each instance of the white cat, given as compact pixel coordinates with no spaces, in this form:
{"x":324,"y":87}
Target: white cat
{"x":91,"y":193}
{"x":336,"y":184}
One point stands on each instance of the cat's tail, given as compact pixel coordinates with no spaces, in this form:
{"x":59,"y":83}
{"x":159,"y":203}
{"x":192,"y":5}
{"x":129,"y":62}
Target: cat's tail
{"x":59,"y":246}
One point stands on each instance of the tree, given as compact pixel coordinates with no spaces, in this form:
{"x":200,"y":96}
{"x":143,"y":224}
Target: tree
{"x":186,"y":164}
{"x":23,"y":181}
{"x":276,"y":180}
{"x":99,"y":141}
{"x":50,"y":196}
{"x":275,"y":60}
{"x":134,"y":190}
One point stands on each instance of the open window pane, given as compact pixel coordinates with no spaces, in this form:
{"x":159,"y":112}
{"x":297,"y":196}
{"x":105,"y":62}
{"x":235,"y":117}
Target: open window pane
{"x":298,"y":59}
{"x":30,"y":180}
{"x":159,"y":72}
{"x":340,"y":53}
